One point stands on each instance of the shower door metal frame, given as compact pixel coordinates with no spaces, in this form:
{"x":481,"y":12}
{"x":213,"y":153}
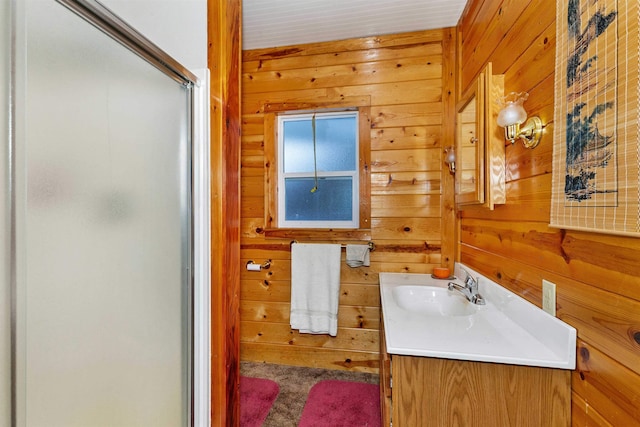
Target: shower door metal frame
{"x":94,"y":12}
{"x":197,"y":91}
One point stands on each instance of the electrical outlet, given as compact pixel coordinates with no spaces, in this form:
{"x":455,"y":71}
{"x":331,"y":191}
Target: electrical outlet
{"x":549,"y":297}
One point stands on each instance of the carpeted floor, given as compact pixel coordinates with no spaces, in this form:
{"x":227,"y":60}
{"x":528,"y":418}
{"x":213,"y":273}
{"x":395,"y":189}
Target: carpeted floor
{"x":295,"y":383}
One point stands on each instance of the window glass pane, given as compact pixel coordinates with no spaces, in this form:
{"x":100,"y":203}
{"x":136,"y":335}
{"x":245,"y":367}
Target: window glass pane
{"x":335,"y":144}
{"x":298,"y":146}
{"x":331,"y":202}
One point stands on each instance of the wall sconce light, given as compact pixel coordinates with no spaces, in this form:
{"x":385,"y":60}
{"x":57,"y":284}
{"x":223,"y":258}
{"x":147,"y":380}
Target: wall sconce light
{"x":450,"y":158}
{"x":512,"y":115}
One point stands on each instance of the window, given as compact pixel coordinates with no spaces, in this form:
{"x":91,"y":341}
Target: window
{"x":342,"y":209}
{"x":318,"y":170}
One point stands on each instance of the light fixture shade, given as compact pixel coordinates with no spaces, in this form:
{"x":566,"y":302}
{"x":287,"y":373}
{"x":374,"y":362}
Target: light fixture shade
{"x":512,"y":112}
{"x":450,"y":158}
{"x":451,"y":155}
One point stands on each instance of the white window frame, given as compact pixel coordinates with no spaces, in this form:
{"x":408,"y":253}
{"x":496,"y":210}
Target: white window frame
{"x":353,"y":174}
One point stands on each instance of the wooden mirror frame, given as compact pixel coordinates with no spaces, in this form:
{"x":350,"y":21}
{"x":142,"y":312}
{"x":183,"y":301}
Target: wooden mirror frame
{"x":470,"y":140}
{"x":480,"y":175}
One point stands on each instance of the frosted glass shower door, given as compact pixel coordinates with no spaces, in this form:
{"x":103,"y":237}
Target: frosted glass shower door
{"x":104,"y":238}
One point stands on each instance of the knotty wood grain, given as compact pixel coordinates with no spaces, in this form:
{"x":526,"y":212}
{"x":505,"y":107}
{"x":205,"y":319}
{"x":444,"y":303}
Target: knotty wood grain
{"x":399,"y":80}
{"x":607,"y":385}
{"x":597,"y":275}
{"x":337,"y":47}
{"x":312,"y":357}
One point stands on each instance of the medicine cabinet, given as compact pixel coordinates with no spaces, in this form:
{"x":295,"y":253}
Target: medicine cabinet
{"x":480,"y":144}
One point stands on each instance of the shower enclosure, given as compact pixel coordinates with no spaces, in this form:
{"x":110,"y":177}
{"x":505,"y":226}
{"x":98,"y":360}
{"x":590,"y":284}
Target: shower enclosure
{"x":101,"y":223}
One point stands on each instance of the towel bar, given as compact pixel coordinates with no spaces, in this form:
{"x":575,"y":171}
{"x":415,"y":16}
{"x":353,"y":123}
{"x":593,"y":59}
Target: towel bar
{"x":372,"y":246}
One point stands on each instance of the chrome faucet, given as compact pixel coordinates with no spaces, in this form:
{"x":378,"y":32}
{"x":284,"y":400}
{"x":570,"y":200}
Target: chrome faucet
{"x":469,"y":290}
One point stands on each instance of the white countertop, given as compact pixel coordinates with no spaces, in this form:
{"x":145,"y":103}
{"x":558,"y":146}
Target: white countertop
{"x":508,"y":329}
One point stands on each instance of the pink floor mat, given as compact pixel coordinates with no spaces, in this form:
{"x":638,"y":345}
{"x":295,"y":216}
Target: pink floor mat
{"x":342,"y":404}
{"x":256,"y":397}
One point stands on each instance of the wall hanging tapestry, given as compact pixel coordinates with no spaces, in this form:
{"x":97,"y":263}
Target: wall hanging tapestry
{"x":596,"y":150}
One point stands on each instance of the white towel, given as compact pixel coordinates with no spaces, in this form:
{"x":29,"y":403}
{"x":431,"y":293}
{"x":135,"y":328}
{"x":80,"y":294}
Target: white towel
{"x":358,"y":255}
{"x":315,"y":288}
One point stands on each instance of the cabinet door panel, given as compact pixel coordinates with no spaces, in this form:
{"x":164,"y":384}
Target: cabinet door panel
{"x":480,"y":153}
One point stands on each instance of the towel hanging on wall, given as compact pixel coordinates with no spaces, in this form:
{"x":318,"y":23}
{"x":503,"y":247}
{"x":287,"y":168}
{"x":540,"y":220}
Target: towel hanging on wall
{"x":315,"y":287}
{"x":358,"y":255}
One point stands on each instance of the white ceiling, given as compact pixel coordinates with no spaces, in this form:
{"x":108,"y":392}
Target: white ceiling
{"x":273,"y":23}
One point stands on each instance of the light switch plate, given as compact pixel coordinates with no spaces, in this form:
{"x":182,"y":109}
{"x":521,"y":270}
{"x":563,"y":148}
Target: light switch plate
{"x":549,"y":297}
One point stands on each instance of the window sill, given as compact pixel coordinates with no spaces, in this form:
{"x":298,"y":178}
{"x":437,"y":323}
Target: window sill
{"x":327,"y":234}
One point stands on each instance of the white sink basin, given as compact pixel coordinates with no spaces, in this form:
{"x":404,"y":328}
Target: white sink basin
{"x":432,"y":301}
{"x":423,"y":318}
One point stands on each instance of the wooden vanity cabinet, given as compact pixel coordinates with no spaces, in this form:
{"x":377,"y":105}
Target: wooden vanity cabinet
{"x":423,"y":392}
{"x":385,"y":379}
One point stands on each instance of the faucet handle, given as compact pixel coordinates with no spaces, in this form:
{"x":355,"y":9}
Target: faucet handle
{"x":477,"y":299}
{"x":470,"y":282}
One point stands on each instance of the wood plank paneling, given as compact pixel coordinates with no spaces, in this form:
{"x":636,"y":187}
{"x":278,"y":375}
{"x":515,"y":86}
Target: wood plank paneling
{"x":373,"y":72}
{"x":416,"y":182}
{"x":311,"y":357}
{"x":403,"y":138}
{"x":597,"y":275}
{"x":405,"y":160}
{"x":404,"y":205}
{"x":399,"y":78}
{"x":417,"y":50}
{"x":427,"y":229}
{"x":340,"y":46}
{"x":282,"y":334}
{"x":407,"y":114}
{"x":607,"y":386}
{"x":584,"y":415}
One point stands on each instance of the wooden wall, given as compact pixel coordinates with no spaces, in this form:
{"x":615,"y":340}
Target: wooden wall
{"x":224,"y":63}
{"x":597,"y":275}
{"x":406,"y":79}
